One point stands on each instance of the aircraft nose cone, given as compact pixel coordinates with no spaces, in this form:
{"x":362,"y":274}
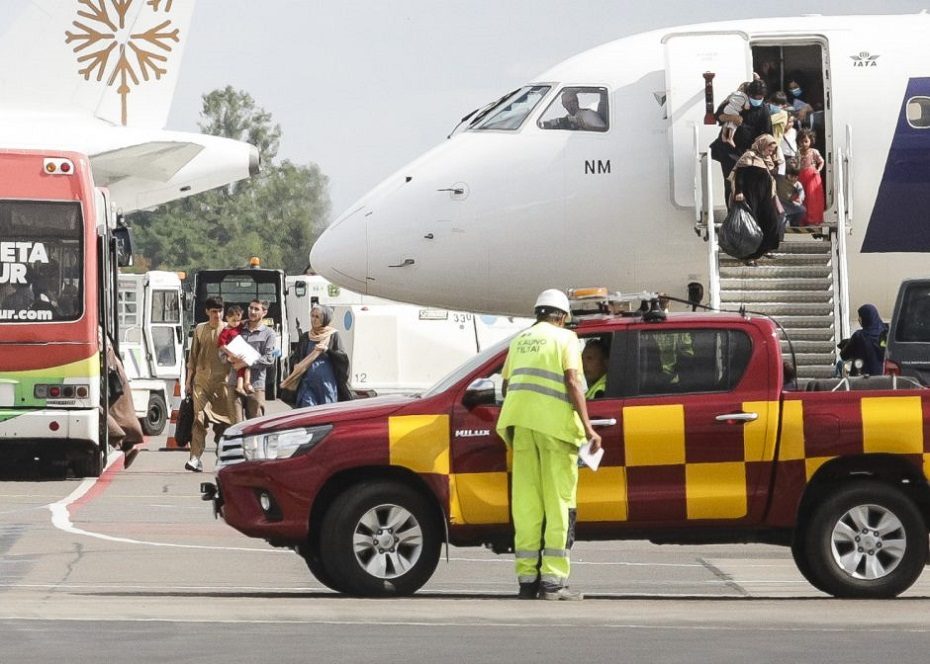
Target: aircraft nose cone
{"x":341,"y":252}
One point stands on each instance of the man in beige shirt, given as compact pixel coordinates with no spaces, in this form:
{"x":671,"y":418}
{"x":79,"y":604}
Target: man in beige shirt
{"x":206,"y":381}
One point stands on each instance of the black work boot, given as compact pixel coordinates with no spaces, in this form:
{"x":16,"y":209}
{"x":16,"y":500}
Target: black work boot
{"x":529,"y":590}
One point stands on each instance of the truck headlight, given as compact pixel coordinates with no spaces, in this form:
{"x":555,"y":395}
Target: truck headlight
{"x":283,"y":444}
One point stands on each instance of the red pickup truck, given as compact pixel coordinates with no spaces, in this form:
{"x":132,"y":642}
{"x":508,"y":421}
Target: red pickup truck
{"x":703,"y":444}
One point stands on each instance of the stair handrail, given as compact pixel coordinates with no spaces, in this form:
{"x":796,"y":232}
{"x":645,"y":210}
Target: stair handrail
{"x":840,"y":250}
{"x":706,"y":165}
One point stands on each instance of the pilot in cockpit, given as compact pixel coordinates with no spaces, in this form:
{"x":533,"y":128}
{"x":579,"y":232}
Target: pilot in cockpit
{"x":577,"y":118}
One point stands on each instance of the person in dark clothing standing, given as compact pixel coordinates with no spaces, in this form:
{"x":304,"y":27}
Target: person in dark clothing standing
{"x":753,"y":122}
{"x":753,"y":182}
{"x":867,"y":344}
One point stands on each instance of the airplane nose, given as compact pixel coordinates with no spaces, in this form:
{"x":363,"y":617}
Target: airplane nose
{"x":341,"y":252}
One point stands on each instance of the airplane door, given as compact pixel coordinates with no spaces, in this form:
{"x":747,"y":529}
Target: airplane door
{"x":687,"y":57}
{"x":162,"y":329}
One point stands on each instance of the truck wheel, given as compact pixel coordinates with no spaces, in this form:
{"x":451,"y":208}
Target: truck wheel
{"x":866,"y":540}
{"x":382,"y":539}
{"x":155,"y":417}
{"x":311,"y":556}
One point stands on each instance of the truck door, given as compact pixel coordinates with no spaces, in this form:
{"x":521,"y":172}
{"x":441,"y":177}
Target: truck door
{"x":162,"y":328}
{"x":699,"y":425}
{"x":687,"y":57}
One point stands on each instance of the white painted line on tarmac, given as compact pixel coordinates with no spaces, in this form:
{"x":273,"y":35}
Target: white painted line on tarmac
{"x":61,"y":517}
{"x":588,"y":623}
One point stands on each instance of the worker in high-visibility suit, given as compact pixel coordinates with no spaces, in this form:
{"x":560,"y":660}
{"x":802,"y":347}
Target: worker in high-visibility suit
{"x":544,"y":420}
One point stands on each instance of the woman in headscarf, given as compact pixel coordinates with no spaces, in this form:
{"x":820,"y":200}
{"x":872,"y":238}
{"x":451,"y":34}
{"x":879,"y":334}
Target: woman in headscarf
{"x":867,"y":344}
{"x":321,"y":370}
{"x":753,"y":180}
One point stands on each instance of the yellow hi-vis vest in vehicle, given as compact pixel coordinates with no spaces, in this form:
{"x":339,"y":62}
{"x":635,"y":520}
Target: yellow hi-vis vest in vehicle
{"x":535,"y":374}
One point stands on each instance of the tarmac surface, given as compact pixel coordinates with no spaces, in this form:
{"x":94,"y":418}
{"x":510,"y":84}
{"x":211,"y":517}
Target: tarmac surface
{"x":133,"y":567}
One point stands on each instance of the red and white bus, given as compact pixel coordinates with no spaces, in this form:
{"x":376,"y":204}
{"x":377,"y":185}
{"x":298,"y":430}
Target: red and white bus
{"x":59,"y":249}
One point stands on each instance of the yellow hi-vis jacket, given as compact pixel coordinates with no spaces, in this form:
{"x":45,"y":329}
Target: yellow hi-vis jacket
{"x":536,"y":395}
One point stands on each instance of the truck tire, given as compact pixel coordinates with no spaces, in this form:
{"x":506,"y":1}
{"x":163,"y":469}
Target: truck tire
{"x":865,"y":540}
{"x":382,"y":540}
{"x":311,"y":556}
{"x":156,"y":416}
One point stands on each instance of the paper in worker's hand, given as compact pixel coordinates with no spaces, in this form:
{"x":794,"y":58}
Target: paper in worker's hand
{"x":591,"y":460}
{"x":239,"y":346}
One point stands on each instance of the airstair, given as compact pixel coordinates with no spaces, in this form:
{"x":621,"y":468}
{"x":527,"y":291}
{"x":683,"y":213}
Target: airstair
{"x":804,"y":286}
{"x":796,"y":288}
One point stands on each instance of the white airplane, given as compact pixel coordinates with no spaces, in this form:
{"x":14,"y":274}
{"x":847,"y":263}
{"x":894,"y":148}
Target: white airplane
{"x":97,"y":77}
{"x":516,"y":200}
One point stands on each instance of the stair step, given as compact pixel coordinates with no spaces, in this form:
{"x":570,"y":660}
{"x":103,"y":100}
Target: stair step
{"x":783,"y":260}
{"x":810,"y":373}
{"x":822,"y":334}
{"x":822,"y":296}
{"x":824,"y":272}
{"x":815,"y":359}
{"x":772,"y":284}
{"x":779,"y":309}
{"x":808,"y":346}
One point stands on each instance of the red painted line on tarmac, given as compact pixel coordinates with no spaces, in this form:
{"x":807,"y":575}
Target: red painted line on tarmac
{"x":102,"y":482}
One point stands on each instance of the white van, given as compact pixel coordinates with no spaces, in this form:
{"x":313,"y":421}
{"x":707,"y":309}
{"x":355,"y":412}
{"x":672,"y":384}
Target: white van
{"x":151,"y":341}
{"x":395,"y":347}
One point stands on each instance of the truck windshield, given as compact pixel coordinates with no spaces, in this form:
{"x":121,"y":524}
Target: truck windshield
{"x":510,"y":112}
{"x":41,"y":261}
{"x":468,"y":367}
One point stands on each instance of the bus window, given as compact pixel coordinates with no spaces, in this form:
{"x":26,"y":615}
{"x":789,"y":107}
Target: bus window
{"x":41,"y":276}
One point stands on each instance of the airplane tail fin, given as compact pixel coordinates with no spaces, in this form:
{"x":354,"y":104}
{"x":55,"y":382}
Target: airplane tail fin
{"x":115,"y":60}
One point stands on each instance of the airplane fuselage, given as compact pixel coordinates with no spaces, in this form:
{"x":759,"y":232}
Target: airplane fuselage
{"x":490,"y":217}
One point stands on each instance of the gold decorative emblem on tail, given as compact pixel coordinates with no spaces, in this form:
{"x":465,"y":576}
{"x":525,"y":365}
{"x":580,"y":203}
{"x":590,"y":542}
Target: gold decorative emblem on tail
{"x":106,"y":48}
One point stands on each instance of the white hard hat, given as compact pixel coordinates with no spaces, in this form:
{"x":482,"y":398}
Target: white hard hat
{"x":554,"y":299}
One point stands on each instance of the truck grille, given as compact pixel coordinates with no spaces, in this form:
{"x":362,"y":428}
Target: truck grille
{"x":229,"y":452}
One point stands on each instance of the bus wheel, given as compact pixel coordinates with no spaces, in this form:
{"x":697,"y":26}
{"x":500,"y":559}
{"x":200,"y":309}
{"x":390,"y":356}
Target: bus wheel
{"x":92,"y":463}
{"x":155,"y":417}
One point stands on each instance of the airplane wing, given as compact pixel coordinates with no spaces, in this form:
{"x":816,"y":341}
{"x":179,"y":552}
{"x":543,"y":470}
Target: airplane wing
{"x":157,"y":160}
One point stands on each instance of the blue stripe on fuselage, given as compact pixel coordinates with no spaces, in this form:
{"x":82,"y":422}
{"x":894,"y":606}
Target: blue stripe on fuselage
{"x":901,"y":214}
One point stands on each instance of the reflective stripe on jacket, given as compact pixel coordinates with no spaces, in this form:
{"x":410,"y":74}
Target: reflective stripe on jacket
{"x":536,"y":395}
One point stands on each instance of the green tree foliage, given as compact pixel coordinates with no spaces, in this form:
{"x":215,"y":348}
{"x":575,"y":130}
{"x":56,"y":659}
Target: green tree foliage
{"x":276,"y":215}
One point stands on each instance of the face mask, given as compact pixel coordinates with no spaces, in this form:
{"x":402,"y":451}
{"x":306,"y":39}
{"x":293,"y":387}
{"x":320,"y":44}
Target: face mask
{"x":755,"y":103}
{"x":773,"y":109}
{"x":796,"y":92}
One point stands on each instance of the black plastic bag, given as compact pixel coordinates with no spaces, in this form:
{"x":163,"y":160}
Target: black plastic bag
{"x":184,"y":427}
{"x":740,"y":235}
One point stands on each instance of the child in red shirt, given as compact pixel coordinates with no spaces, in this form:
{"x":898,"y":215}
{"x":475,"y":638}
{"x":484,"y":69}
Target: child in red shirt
{"x":230,"y":332}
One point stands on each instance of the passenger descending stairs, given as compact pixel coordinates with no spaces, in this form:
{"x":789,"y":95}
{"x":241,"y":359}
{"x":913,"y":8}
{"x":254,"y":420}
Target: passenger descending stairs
{"x":796,"y":287}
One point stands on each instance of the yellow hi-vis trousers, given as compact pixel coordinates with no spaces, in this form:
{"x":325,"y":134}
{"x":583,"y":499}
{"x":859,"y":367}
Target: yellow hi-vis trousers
{"x":544,"y":489}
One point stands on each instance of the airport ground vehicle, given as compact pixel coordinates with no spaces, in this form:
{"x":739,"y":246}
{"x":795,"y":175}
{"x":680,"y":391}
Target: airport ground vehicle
{"x":705,"y":446}
{"x":394,"y":347}
{"x":240,"y":286}
{"x":59,"y":250}
{"x":908,"y":349}
{"x":152,"y":344}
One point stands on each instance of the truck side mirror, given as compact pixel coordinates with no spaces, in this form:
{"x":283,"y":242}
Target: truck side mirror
{"x":481,"y":392}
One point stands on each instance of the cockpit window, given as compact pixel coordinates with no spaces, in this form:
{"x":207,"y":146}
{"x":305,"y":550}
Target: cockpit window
{"x":918,"y":112}
{"x":511,"y":112}
{"x":578,"y":109}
